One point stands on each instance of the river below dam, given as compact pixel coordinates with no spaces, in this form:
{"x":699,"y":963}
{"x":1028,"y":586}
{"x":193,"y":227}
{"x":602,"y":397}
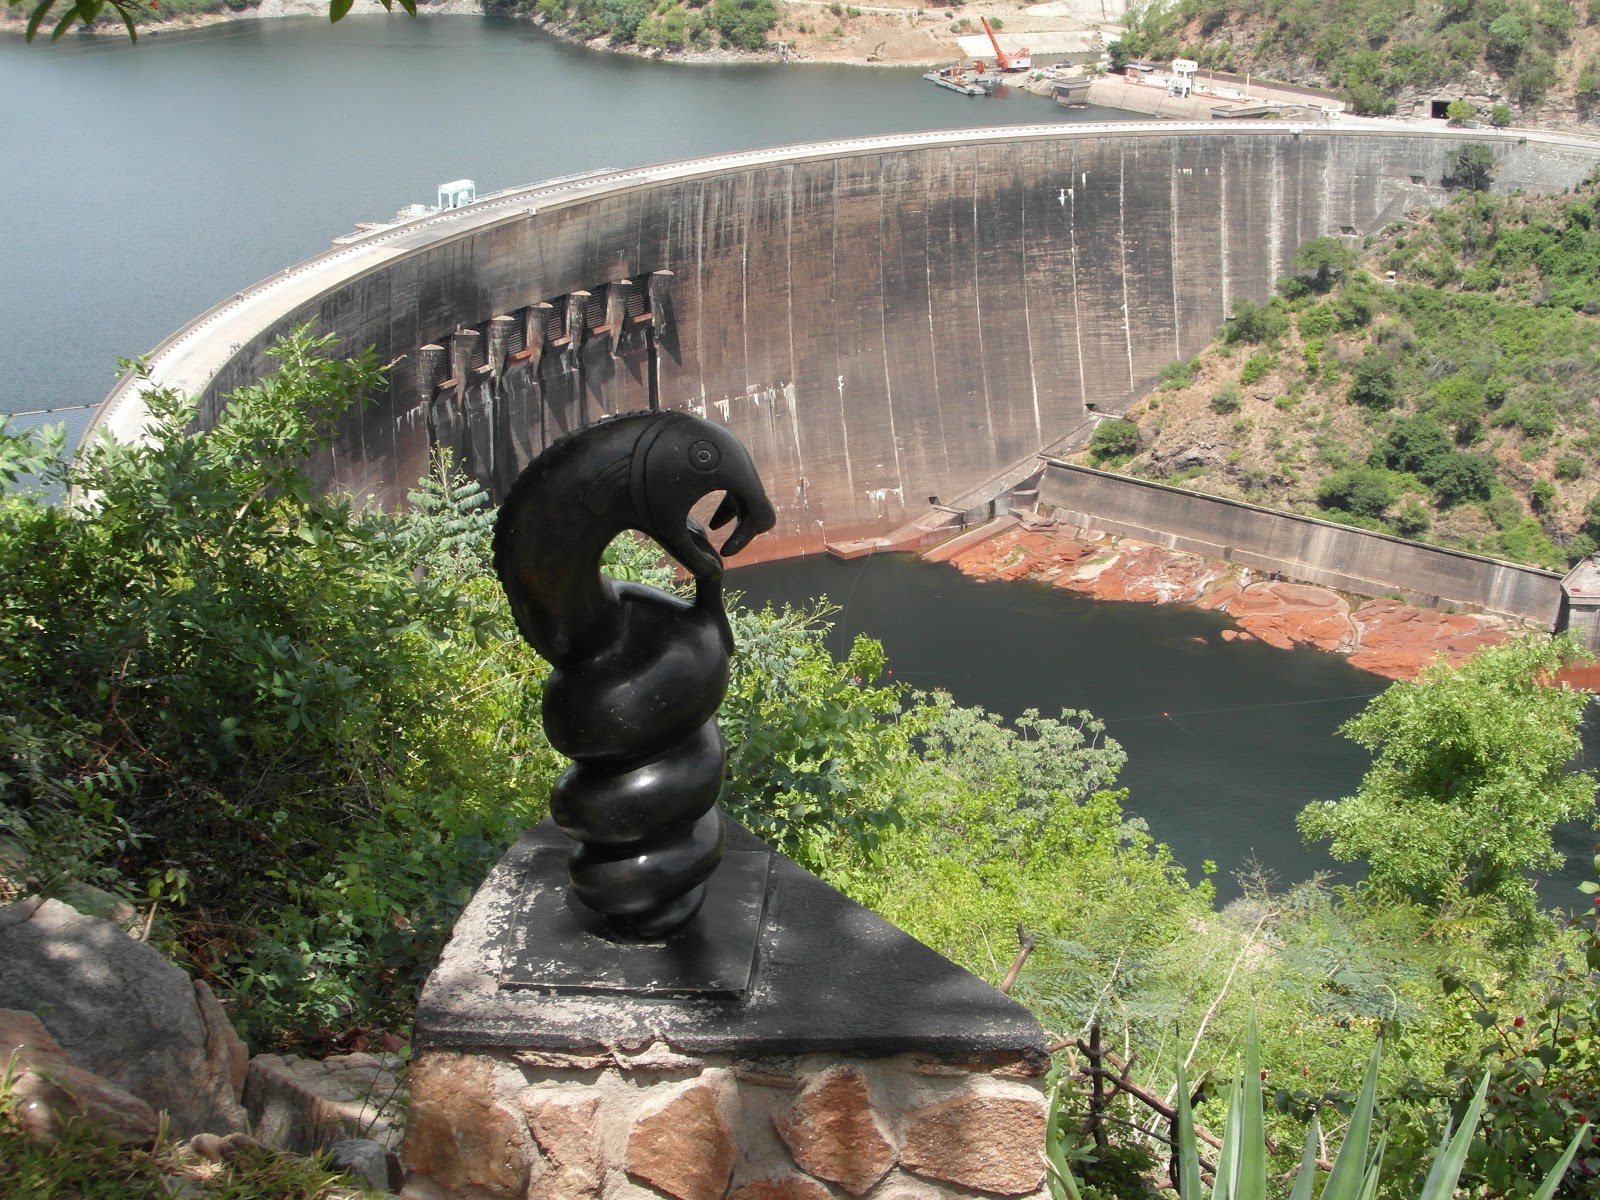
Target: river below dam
{"x":151,"y":181}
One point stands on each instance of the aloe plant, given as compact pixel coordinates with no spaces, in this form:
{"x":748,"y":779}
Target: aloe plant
{"x":1242,"y":1162}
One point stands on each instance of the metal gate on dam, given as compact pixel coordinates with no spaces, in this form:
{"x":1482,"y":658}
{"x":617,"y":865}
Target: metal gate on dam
{"x":882,"y":321}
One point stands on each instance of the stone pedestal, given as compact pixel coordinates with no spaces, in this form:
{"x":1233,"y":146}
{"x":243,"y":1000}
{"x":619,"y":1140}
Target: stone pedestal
{"x":857,"y":1063}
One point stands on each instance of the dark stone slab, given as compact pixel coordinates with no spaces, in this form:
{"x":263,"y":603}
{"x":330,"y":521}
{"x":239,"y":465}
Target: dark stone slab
{"x":554,"y":944}
{"x":830,"y":976}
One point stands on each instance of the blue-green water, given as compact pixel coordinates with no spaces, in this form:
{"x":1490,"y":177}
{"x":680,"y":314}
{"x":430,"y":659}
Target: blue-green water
{"x":1226,"y":741}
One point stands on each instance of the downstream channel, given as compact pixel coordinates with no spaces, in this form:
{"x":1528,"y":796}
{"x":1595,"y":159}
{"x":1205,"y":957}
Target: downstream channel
{"x":155,"y":180}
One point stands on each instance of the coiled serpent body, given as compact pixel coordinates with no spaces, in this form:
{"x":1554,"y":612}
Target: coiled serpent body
{"x":638,"y":673}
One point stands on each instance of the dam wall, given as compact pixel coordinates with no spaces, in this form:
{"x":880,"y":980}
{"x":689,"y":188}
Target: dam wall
{"x":1303,"y":548}
{"x":884,"y":321}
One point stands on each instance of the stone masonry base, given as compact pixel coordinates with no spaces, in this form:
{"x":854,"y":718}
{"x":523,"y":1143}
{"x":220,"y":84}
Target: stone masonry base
{"x":537,"y":1125}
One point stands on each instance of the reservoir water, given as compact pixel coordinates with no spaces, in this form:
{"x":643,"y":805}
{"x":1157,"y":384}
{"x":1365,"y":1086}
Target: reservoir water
{"x":150,"y":181}
{"x":153,"y":180}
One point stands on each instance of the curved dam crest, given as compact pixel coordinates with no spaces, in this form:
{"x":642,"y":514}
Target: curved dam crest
{"x":886,"y":323}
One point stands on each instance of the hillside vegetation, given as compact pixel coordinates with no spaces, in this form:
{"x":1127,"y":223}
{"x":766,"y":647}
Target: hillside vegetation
{"x":293,"y":736}
{"x":670,"y":25}
{"x":1453,"y":404}
{"x":1542,"y":56}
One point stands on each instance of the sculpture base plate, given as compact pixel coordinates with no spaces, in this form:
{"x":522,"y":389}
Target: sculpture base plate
{"x":555,"y":944}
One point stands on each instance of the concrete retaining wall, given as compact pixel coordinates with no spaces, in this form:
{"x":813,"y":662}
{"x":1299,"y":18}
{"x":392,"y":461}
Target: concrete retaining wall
{"x":1303,"y":548}
{"x":880,"y":321}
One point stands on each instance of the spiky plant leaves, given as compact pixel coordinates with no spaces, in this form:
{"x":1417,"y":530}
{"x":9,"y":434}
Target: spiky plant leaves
{"x":1226,"y":1185}
{"x":1553,"y":1180}
{"x":1250,"y":1180}
{"x":1447,"y":1164}
{"x":1350,"y":1165}
{"x":1369,"y":1186}
{"x":1306,"y":1177}
{"x":1063,"y":1184}
{"x":1189,"y":1186}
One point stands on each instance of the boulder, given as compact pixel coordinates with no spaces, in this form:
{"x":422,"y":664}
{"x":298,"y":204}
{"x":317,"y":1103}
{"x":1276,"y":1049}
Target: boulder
{"x":51,"y":1090}
{"x":120,"y":1010}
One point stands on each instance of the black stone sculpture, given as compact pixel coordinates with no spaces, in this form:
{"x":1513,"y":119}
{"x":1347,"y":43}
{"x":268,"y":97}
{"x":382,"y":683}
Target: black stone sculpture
{"x":638,"y":673}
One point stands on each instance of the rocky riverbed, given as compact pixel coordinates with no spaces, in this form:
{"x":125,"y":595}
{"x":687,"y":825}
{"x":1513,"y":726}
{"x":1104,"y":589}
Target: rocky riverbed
{"x":1387,"y":637}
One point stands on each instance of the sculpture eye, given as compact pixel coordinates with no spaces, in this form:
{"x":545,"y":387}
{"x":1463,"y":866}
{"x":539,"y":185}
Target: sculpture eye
{"x":703,"y":456}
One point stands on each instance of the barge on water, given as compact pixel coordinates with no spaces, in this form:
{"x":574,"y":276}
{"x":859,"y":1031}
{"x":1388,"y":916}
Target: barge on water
{"x":956,"y":80}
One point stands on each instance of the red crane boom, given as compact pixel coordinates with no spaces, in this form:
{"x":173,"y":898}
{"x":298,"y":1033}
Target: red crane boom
{"x":1020,"y":61}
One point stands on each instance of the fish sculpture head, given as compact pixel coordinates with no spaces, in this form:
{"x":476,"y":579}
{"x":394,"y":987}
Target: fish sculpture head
{"x":677,"y":463}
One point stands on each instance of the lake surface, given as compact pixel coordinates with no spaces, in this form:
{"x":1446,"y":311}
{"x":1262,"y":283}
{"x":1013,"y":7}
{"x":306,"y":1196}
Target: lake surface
{"x":150,"y":181}
{"x":1226,"y":741}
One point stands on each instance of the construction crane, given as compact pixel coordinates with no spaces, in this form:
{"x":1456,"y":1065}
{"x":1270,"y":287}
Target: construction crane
{"x":1020,"y":61}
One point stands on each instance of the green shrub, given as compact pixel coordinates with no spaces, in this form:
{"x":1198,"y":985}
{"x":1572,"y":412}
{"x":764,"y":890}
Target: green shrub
{"x":1500,"y":116}
{"x":1568,"y":467}
{"x":1226,"y":399}
{"x":1116,"y":438}
{"x":1538,"y":419}
{"x":1376,"y":383}
{"x":1461,"y":476}
{"x":744,"y":23}
{"x":1257,"y":367}
{"x":1175,"y":375}
{"x":1257,"y":323}
{"x":1316,"y":321}
{"x":1360,"y":491}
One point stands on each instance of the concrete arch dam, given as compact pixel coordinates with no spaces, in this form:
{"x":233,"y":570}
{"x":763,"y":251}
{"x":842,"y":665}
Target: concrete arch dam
{"x":881,"y":321}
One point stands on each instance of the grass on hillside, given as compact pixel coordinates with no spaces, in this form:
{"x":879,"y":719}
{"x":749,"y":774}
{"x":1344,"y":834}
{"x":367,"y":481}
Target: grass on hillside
{"x":85,"y":1164}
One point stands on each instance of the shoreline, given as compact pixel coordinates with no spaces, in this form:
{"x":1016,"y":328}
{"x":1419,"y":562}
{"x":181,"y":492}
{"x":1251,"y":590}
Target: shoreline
{"x":1385,"y":637}
{"x":877,"y":23}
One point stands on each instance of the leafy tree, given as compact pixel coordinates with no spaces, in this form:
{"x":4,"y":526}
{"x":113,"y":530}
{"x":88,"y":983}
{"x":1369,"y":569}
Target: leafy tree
{"x":1329,"y":257}
{"x":818,"y":757}
{"x":1257,"y":323}
{"x":1472,"y":166}
{"x":1508,"y":37}
{"x":1360,"y":491}
{"x":1500,"y":116}
{"x":1468,"y":781}
{"x":1376,"y":384}
{"x":1416,"y":444}
{"x":245,"y":700}
{"x":1116,"y":438}
{"x":1459,"y":112}
{"x":85,"y":12}
{"x":1461,"y":476}
{"x":744,"y":23}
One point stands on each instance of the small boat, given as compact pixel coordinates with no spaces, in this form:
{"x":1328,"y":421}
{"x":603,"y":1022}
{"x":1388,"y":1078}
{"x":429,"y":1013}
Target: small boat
{"x":956,"y":80}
